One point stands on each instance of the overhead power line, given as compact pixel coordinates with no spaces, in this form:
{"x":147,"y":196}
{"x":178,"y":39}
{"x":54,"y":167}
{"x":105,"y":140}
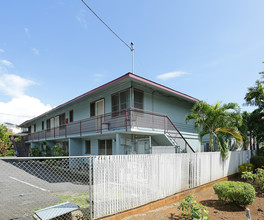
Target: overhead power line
{"x":131,"y":47}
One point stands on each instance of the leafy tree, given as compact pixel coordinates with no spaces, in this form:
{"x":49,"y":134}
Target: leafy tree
{"x":6,"y":147}
{"x":220,"y":122}
{"x":255,"y":97}
{"x":245,"y":130}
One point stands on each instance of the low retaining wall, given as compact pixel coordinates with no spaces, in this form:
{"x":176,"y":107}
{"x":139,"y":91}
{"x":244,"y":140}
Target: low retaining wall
{"x":166,"y":201}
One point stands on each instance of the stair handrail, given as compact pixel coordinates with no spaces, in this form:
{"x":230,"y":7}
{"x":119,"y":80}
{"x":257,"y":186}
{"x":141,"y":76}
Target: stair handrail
{"x":24,"y":145}
{"x":14,"y":143}
{"x":180,"y":134}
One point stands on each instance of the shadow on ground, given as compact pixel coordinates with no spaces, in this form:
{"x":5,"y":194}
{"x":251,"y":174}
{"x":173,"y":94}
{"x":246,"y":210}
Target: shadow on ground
{"x":222,"y":206}
{"x":175,"y":217}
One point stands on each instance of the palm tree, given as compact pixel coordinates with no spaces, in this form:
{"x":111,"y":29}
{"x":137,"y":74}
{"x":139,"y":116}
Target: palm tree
{"x":255,"y":97}
{"x":220,"y":122}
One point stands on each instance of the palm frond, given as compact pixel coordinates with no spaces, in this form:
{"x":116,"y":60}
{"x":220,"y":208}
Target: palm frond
{"x":233,"y":132}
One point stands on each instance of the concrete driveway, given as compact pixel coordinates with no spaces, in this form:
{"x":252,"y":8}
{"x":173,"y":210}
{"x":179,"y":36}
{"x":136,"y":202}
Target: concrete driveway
{"x":23,"y":190}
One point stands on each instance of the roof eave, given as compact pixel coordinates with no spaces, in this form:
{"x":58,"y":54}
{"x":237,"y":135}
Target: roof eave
{"x":131,"y":75}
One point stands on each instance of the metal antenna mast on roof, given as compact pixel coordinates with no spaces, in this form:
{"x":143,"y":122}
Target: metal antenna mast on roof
{"x":131,"y":47}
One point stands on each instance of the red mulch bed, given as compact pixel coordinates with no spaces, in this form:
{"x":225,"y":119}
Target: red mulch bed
{"x":217,"y":209}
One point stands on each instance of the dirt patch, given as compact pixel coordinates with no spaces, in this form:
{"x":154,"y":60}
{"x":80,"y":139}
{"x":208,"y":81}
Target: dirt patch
{"x":217,"y":210}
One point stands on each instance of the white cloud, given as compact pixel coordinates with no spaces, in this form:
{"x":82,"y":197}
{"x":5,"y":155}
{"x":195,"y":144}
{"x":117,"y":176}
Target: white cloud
{"x":14,"y":85}
{"x":21,"y":106}
{"x":27,"y":32}
{"x":81,"y":17}
{"x":7,"y":63}
{"x":170,"y":75}
{"x":2,"y":51}
{"x":35,"y":51}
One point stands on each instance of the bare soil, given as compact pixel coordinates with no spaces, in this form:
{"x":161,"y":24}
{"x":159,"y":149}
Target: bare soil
{"x":217,"y":209}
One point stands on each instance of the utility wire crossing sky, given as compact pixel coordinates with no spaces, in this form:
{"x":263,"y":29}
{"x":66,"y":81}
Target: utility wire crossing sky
{"x":52,"y":51}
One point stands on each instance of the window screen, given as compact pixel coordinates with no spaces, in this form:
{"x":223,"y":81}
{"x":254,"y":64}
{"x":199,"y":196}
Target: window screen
{"x":120,"y":101}
{"x":105,"y":147}
{"x":138,"y":99}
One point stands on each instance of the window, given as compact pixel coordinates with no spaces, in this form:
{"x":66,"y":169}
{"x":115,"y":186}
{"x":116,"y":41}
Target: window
{"x":48,"y":124}
{"x":43,"y":125}
{"x":71,"y":116}
{"x":120,"y":101}
{"x":92,"y":109}
{"x":97,"y":108}
{"x":62,"y":119}
{"x":29,"y":129}
{"x":35,"y":127}
{"x":138,"y":99}
{"x":115,"y":103}
{"x":87,"y":147}
{"x":105,"y":147}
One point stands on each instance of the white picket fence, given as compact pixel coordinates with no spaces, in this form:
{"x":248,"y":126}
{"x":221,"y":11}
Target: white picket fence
{"x":128,"y":181}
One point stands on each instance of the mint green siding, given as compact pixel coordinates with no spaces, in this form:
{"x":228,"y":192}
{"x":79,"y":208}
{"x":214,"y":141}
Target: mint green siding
{"x":154,"y":101}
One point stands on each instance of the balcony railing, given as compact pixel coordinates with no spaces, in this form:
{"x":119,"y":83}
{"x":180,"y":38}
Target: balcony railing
{"x":126,"y":119}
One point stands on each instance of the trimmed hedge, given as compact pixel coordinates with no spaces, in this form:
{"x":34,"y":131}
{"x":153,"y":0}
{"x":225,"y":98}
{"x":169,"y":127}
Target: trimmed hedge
{"x":242,"y":194}
{"x":257,"y":161}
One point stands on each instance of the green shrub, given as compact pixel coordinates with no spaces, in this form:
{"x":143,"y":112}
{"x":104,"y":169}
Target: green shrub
{"x":58,"y":151}
{"x":245,"y":167}
{"x":256,"y":179}
{"x":242,"y":194}
{"x":35,"y":152}
{"x":192,"y":209}
{"x":257,"y":161}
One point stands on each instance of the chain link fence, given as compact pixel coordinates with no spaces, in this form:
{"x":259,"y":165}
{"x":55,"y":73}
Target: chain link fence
{"x":78,"y":188}
{"x":44,"y":188}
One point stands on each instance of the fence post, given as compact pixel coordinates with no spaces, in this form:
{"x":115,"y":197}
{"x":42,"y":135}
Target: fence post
{"x":210,"y":166}
{"x":90,"y":188}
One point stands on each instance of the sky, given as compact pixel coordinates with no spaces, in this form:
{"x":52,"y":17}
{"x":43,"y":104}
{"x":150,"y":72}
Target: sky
{"x":54,"y":50}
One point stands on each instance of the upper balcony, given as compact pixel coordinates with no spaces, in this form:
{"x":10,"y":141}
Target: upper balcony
{"x":126,"y":120}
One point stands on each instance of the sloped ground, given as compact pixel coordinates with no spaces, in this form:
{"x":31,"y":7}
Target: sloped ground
{"x":217,"y":209}
{"x":28,"y":186}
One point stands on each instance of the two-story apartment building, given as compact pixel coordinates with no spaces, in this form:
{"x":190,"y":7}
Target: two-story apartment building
{"x":129,"y":115}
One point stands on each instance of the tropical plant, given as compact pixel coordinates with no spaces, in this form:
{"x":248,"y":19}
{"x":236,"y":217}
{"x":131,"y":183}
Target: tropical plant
{"x":245,"y":130}
{"x":46,"y":151}
{"x":35,"y":152}
{"x":220,"y":122}
{"x":255,"y":97}
{"x":192,"y":209}
{"x":6,"y":147}
{"x":256,"y":179}
{"x":58,"y":151}
{"x":245,"y":167}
